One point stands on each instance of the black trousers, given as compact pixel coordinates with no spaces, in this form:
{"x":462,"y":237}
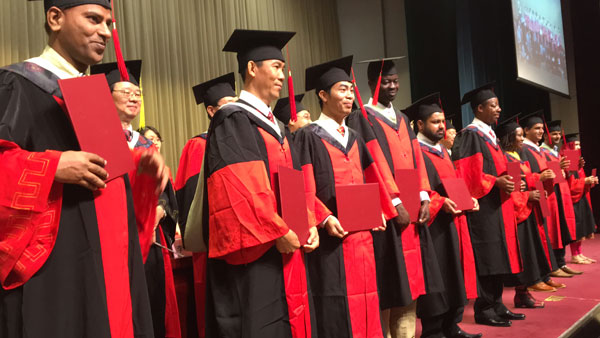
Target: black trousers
{"x":444,"y":325}
{"x":489,"y":303}
{"x":560,"y":257}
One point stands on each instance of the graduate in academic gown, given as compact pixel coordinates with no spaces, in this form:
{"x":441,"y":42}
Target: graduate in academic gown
{"x":404,"y":259}
{"x":448,"y":140}
{"x":72,"y":263}
{"x":342,"y":271}
{"x":580,"y":188}
{"x":127,"y":97}
{"x":562,"y":215}
{"x":256,"y":276}
{"x":441,"y":312}
{"x":480,"y":161}
{"x":532,"y":242}
{"x":214,"y":94}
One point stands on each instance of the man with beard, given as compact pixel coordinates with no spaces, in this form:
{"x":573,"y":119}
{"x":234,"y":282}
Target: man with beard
{"x":441,"y":312}
{"x":481,"y":162}
{"x":72,"y":264}
{"x":404,"y":262}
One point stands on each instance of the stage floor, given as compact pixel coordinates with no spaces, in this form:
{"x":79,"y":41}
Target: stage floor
{"x":563,"y":307}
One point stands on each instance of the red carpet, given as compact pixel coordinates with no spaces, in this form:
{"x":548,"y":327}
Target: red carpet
{"x":563,"y":307}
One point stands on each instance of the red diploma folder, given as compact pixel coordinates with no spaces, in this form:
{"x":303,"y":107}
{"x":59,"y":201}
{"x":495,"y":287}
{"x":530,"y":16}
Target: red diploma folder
{"x":543,"y":200}
{"x":555,"y":167}
{"x":573,"y":156}
{"x":457,"y":191}
{"x":358,"y":206}
{"x":514,"y":169}
{"x":407,"y":181}
{"x":96,"y":122}
{"x":293,"y":201}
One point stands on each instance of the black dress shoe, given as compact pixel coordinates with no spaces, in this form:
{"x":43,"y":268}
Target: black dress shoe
{"x":498,"y":321}
{"x":463,"y":334}
{"x":511,"y":315}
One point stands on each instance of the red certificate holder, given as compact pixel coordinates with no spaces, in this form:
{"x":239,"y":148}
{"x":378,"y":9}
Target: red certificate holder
{"x":573,"y":156}
{"x":514,"y":169}
{"x":293,"y":202}
{"x":555,"y":167}
{"x":543,"y":200}
{"x":457,"y":191}
{"x":96,"y":122}
{"x":358,"y":206}
{"x":407,"y":181}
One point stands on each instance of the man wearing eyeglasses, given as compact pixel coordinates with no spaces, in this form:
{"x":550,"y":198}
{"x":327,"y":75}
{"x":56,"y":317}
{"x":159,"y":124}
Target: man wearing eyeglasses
{"x":127,"y":96}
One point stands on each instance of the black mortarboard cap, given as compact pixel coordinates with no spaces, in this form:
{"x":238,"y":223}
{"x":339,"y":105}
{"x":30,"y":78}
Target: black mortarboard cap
{"x":210,"y":92}
{"x":424,"y":107}
{"x":479,"y":95}
{"x":554,"y":126}
{"x":257,"y":45}
{"x":111,"y":70}
{"x":325,"y":75}
{"x":507,"y":126}
{"x":63,"y":4}
{"x":282,"y":108}
{"x":571,"y":137}
{"x":532,"y":119}
{"x":375,"y":66}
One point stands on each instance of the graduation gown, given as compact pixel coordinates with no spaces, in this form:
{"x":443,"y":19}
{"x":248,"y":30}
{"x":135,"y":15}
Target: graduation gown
{"x":72,"y":263}
{"x":535,"y":254}
{"x":451,"y":240}
{"x":493,"y":229}
{"x":584,"y":217}
{"x":561,"y":208}
{"x":341,"y":271}
{"x":252,"y":290}
{"x":186,"y":182}
{"x":406,"y":262}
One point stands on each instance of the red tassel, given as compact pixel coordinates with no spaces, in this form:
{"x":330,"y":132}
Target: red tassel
{"x":360,"y":103}
{"x":563,"y":136}
{"x":547,"y":131}
{"x":291,"y":95}
{"x":119,"y":53}
{"x":376,"y":93}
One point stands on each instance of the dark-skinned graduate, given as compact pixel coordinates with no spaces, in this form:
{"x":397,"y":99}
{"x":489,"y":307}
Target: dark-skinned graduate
{"x":535,"y":252}
{"x":441,"y":312}
{"x":482,"y":164}
{"x":406,"y":264}
{"x":72,"y":263}
{"x":213,"y":93}
{"x":342,"y":271}
{"x":256,"y":276}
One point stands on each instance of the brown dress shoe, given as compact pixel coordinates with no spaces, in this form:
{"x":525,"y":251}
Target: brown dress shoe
{"x":541,"y":287}
{"x":555,"y":284}
{"x":558,"y":273}
{"x":571,"y":271}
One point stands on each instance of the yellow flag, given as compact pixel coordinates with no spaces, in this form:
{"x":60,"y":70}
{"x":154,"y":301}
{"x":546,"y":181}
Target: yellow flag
{"x":142,"y":113}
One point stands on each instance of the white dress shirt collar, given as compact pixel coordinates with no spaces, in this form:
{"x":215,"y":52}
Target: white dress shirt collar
{"x":261,"y":110}
{"x":428,"y":142}
{"x":485,"y":129}
{"x":331,"y":127}
{"x":529,"y":143}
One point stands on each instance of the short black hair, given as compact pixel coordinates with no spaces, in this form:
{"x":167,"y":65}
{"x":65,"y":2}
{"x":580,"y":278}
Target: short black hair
{"x":146,"y":128}
{"x":243,"y":71}
{"x":47,"y":28}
